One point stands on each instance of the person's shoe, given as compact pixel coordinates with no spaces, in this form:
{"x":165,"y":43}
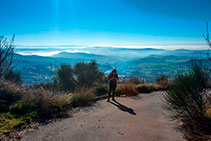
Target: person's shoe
{"x":108,"y":100}
{"x":113,"y":99}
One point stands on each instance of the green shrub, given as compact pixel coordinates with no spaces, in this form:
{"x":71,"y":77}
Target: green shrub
{"x":127,"y":89}
{"x":82,"y":98}
{"x":186,"y":99}
{"x":65,"y":77}
{"x":9,"y":94}
{"x":102,"y":90}
{"x":13,"y":76}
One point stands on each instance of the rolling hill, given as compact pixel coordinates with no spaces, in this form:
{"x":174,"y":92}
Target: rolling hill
{"x":147,"y":64}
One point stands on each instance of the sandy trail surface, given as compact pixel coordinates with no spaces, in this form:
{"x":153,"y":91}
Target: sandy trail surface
{"x":139,"y":118}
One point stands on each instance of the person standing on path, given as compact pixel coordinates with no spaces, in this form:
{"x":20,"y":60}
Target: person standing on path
{"x":112,"y":83}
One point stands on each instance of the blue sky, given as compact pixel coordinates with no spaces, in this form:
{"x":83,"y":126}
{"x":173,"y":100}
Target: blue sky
{"x":106,"y":22}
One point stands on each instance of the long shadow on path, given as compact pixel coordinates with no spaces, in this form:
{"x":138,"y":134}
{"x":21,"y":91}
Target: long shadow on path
{"x":123,"y":107}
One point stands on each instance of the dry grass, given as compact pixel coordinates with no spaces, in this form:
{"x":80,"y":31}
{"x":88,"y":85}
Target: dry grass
{"x":9,"y":94}
{"x":23,"y":104}
{"x":82,"y":97}
{"x":208,"y":113}
{"x":42,"y":103}
{"x":147,"y":88}
{"x":163,"y":81}
{"x":127,"y":89}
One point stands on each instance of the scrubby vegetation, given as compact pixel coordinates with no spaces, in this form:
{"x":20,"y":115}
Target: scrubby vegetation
{"x":133,"y":87}
{"x":82,"y":97}
{"x":163,"y":82}
{"x":12,"y":76}
{"x":127,"y":89}
{"x":147,"y":88}
{"x":9,"y":94}
{"x":21,"y":105}
{"x":73,"y":87}
{"x":42,"y":104}
{"x":101,"y":90}
{"x":188,"y":102}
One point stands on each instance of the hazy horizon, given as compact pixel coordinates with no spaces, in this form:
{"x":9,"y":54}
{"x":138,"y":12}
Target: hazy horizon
{"x":45,"y":50}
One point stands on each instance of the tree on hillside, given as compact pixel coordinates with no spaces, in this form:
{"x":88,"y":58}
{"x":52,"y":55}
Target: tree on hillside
{"x":6,"y":55}
{"x":65,"y":77}
{"x":87,"y":74}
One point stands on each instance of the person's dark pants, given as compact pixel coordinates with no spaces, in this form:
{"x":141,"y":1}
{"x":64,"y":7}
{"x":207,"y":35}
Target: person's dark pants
{"x":112,"y":87}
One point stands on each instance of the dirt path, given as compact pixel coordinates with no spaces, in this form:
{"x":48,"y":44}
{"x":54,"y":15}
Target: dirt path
{"x":140,"y":119}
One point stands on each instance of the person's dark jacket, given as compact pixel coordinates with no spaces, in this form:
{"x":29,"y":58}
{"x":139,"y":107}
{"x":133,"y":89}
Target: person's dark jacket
{"x":113,"y":78}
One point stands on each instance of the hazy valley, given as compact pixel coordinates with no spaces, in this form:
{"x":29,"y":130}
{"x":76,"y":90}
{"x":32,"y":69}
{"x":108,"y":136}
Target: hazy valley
{"x":147,"y":63}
